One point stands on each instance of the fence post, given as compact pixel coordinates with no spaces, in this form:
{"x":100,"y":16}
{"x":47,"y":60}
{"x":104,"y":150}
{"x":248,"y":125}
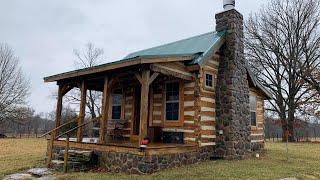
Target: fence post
{"x":50,"y":149}
{"x":66,"y":155}
{"x":272,"y":137}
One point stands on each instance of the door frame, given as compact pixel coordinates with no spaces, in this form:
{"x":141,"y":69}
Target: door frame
{"x":135,"y":137}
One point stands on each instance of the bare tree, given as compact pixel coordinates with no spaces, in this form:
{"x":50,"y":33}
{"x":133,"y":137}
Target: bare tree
{"x":88,"y":57}
{"x":279,"y":39}
{"x":14,"y":87}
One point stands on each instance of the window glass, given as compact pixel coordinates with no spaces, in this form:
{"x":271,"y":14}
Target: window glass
{"x":209,"y":80}
{"x":172,"y":101}
{"x":253,"y":109}
{"x":116,"y":104}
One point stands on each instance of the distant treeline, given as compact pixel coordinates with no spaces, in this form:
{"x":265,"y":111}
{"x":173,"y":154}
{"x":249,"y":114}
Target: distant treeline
{"x":31,"y":127}
{"x":303,"y":130}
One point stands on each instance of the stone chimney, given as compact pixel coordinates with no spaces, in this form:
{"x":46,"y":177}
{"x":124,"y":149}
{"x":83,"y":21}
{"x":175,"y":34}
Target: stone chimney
{"x":232,"y":90}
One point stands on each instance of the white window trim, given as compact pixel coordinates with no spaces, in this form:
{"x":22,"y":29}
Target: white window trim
{"x":172,"y":101}
{"x":205,"y":80}
{"x":253,"y":110}
{"x":120,"y":104}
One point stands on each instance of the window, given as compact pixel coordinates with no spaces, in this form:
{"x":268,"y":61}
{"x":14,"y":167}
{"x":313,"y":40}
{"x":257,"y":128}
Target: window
{"x":116,"y":104}
{"x":209,"y":80}
{"x":253,"y":109}
{"x":172,"y":101}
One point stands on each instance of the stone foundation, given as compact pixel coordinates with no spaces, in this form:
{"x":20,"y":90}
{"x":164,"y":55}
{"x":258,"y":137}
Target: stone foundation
{"x":135,"y":164}
{"x":116,"y":162}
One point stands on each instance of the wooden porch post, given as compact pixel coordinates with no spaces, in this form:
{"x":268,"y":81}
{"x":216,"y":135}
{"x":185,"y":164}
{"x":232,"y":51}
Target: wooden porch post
{"x":144,"y":105}
{"x":145,"y":80}
{"x":58,"y":110}
{"x":57,"y":123}
{"x":104,"y":112}
{"x":82,"y":112}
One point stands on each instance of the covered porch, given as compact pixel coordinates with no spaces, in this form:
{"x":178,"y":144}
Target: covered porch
{"x":131,"y":110}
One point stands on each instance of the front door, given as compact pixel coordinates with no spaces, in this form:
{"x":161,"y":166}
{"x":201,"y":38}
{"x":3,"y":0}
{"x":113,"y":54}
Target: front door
{"x":137,"y":102}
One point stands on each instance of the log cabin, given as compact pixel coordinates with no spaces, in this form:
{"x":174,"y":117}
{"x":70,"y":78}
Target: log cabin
{"x":174,"y":104}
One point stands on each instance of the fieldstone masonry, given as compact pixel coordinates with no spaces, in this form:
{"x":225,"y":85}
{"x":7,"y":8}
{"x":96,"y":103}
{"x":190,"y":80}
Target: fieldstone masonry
{"x":136,"y":164}
{"x":130,"y":163}
{"x":232,"y":91}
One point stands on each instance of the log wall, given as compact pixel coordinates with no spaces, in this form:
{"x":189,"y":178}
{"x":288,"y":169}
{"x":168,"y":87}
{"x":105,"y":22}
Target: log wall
{"x":207,"y":103}
{"x":257,"y":132}
{"x":186,"y":123}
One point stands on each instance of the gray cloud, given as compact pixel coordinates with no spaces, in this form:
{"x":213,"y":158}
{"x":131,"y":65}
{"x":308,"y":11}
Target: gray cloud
{"x":44,"y":33}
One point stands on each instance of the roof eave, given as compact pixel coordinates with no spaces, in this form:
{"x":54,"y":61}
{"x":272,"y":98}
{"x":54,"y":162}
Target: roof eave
{"x":257,"y":84}
{"x":119,"y":64}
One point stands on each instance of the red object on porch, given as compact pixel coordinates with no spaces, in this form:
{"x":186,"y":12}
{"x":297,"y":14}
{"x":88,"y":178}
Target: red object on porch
{"x":145,"y":142}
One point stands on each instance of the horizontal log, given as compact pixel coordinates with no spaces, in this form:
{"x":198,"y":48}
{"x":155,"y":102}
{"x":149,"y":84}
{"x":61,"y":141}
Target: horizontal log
{"x":189,"y":108}
{"x":206,"y":113}
{"x":210,"y":109}
{"x":189,"y":98}
{"x":204,"y":136}
{"x":189,"y":113}
{"x":171,"y":72}
{"x":207,"y":99}
{"x":207,"y":144}
{"x":208,"y":123}
{"x":208,"y":132}
{"x":208,"y":128}
{"x":188,"y":104}
{"x":189,"y":85}
{"x":207,"y":118}
{"x":188,"y":118}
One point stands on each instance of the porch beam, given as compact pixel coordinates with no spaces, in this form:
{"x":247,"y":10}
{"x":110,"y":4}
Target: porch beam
{"x":153,"y":77}
{"x":66,"y":89}
{"x":171,"y":72}
{"x":145,"y":77}
{"x":104,"y":111}
{"x":82,"y":112}
{"x":138,"y":76}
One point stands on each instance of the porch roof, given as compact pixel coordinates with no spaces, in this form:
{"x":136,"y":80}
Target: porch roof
{"x":193,"y":50}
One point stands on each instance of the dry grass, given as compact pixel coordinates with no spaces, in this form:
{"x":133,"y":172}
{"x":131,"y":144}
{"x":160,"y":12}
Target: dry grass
{"x":304,"y":163}
{"x":21,"y":154}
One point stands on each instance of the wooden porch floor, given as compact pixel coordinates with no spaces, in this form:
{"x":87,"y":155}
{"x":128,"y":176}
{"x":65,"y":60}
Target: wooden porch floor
{"x":127,"y":147}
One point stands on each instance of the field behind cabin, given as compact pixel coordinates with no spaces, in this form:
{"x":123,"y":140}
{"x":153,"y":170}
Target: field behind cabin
{"x":21,"y":154}
{"x":17,"y":155}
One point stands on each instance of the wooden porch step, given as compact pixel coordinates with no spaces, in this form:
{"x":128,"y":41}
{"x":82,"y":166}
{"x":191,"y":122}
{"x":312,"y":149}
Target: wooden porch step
{"x":78,"y":160}
{"x":77,"y":155}
{"x":72,"y":166}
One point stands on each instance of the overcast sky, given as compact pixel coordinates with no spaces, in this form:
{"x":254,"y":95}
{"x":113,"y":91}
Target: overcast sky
{"x":43,"y":34}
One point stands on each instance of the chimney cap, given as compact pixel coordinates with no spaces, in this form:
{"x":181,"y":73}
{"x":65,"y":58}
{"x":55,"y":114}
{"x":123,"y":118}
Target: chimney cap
{"x":229,"y":4}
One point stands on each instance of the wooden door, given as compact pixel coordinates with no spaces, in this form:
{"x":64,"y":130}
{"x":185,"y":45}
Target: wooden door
{"x":136,"y":119}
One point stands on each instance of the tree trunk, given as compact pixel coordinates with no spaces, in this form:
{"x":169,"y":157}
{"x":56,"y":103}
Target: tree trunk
{"x":92,"y":104}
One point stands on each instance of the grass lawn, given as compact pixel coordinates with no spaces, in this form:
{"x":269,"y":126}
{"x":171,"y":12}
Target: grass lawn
{"x":21,"y":154}
{"x":304,"y":163}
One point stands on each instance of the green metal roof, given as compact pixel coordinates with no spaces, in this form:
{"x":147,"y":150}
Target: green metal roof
{"x":197,"y":45}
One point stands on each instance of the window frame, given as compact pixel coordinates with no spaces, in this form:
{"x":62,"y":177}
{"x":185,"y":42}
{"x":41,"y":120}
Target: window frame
{"x":205,"y":80}
{"x":112,"y":105}
{"x":179,"y":122}
{"x":253,"y":110}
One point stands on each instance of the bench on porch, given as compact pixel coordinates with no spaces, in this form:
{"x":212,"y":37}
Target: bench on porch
{"x":115,"y":128}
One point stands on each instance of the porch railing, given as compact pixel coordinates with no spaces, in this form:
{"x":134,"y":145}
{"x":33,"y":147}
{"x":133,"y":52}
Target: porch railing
{"x":53,"y":133}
